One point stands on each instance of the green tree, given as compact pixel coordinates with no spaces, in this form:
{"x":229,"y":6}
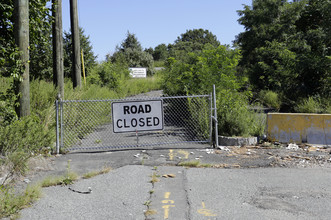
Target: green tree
{"x":285,"y":46}
{"x":131,"y":54}
{"x":192,"y":41}
{"x":160,"y":52}
{"x":40,"y":40}
{"x":197,"y":76}
{"x":85,"y":45}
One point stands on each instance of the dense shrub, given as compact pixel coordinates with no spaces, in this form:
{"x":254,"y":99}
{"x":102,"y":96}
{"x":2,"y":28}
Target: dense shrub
{"x":270,"y":99}
{"x":27,"y":134}
{"x":197,"y":76}
{"x":234,"y":116}
{"x":108,"y":74}
{"x":309,"y":105}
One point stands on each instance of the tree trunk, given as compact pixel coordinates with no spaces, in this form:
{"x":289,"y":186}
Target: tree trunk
{"x":58,"y":76}
{"x":22,"y":41}
{"x":76,"y":64}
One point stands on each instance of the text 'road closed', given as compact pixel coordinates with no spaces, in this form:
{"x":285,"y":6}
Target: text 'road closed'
{"x":137,"y":116}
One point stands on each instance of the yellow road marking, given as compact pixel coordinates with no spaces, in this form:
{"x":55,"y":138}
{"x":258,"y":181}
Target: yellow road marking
{"x":168,"y":201}
{"x":166,"y":210}
{"x":167,"y":207}
{"x":204,"y":211}
{"x":166,"y":195}
{"x":185,"y":153}
{"x":172,"y":154}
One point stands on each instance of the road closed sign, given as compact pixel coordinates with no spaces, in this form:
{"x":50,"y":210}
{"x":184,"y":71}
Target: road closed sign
{"x":137,"y":116}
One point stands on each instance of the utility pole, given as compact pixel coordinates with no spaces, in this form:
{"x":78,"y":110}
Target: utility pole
{"x":76,"y":64}
{"x":21,"y":26}
{"x":58,"y":76}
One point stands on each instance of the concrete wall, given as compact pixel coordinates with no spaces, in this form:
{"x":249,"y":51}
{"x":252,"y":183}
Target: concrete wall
{"x":299,"y":128}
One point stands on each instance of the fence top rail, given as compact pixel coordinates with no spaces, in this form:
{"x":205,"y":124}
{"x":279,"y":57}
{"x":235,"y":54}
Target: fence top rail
{"x":135,"y":98}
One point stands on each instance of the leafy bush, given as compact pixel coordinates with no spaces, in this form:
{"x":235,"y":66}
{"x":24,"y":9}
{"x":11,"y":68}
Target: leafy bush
{"x":7,"y":100}
{"x":309,"y":105}
{"x":133,"y":86}
{"x":108,"y":74}
{"x":11,"y":203}
{"x":197,"y":76}
{"x":27,"y":134}
{"x":234,"y":116}
{"x":202,"y":70}
{"x":270,"y":99}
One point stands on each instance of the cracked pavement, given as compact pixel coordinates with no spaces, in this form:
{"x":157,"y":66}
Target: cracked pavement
{"x":252,"y":182}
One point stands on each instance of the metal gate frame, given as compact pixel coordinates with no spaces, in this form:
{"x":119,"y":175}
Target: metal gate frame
{"x":60,"y":125}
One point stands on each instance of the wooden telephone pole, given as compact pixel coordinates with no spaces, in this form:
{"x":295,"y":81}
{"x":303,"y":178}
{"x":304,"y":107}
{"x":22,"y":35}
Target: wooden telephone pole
{"x":76,"y":64}
{"x":58,"y":75}
{"x":22,"y":40}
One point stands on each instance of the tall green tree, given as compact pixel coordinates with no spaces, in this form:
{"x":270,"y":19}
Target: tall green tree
{"x":285,"y":46}
{"x":85,"y":45}
{"x":192,"y":41}
{"x":197,"y":76}
{"x":12,"y":63}
{"x":161,"y":52}
{"x":130,"y":53}
{"x":40,"y":40}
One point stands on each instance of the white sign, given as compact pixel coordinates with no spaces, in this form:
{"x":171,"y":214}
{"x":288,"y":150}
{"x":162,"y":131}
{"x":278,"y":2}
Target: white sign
{"x":137,"y":116}
{"x":138,"y":72}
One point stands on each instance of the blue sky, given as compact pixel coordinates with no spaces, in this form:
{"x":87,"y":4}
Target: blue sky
{"x":152,"y":21}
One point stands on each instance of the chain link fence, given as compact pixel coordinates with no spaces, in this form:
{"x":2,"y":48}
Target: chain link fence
{"x":87,"y":124}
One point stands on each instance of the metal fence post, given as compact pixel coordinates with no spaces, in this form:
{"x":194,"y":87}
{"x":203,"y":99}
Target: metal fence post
{"x":211,"y":119}
{"x":215,"y":117}
{"x":57,"y":127}
{"x":61,"y":123}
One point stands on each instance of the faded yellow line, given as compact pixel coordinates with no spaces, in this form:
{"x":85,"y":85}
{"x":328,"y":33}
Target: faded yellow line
{"x":204,"y":211}
{"x":185,"y":153}
{"x":167,"y":207}
{"x":171,"y":154}
{"x":166,"y":195}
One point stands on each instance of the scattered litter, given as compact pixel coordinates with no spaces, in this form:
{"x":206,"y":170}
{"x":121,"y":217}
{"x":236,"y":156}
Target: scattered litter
{"x":292,"y":147}
{"x":312,"y":149}
{"x":192,"y":153}
{"x":197,"y":158}
{"x":179,"y":158}
{"x":169,"y":175}
{"x":137,"y":155}
{"x":82,"y":192}
{"x":224,"y":148}
{"x":161,"y":155}
{"x":209,"y":151}
{"x":143,"y":151}
{"x":248,"y":153}
{"x":27,"y":181}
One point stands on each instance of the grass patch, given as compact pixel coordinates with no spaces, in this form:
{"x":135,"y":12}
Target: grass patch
{"x":11,"y":203}
{"x":67,"y":179}
{"x":155,"y":178}
{"x":194,"y":163}
{"x":150,"y":212}
{"x":52,"y":181}
{"x":96,"y":173}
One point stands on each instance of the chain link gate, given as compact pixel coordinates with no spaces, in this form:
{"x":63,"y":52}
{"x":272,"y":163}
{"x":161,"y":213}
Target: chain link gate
{"x":87,"y":124}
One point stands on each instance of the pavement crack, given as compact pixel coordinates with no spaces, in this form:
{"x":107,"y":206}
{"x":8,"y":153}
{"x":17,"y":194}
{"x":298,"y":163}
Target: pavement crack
{"x":186,"y":189}
{"x":149,"y":212}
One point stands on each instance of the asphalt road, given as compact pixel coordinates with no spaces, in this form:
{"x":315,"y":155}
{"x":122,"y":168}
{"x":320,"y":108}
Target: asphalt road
{"x":240,"y":192}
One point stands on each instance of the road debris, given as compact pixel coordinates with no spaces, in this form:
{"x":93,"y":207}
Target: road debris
{"x":292,"y":147}
{"x":169,"y":175}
